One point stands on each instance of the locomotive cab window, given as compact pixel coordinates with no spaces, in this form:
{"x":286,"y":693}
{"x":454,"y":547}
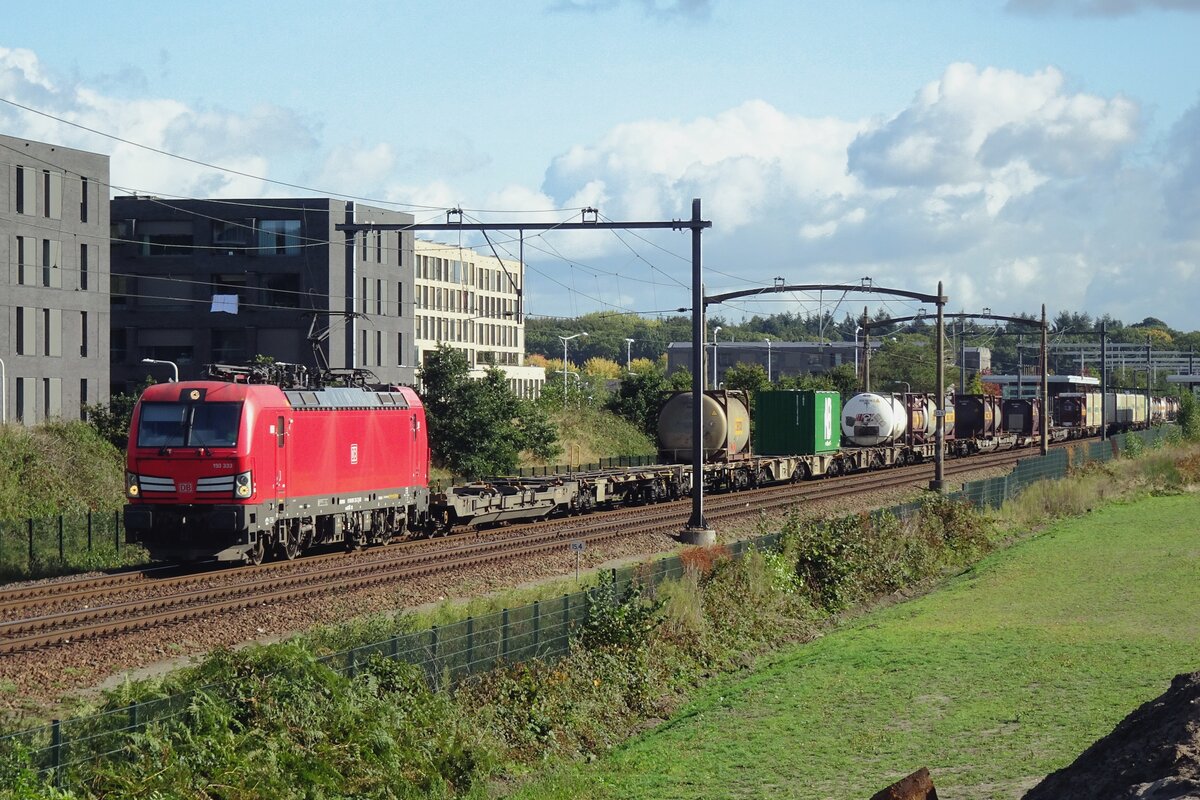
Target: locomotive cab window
{"x":189,"y":424}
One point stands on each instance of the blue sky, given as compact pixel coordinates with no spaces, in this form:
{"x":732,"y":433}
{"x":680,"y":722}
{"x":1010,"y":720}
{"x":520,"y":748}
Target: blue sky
{"x":1023,"y":152}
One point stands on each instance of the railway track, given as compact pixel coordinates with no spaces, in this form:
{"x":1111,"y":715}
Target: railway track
{"x":55,"y":614}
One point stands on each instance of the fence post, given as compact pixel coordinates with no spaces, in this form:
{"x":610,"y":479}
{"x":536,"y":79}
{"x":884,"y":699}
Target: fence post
{"x":89,"y":524}
{"x":56,"y":750}
{"x":504,"y":634}
{"x":133,"y":717}
{"x":61,"y":557}
{"x":117,"y":530}
{"x":30,"y":525}
{"x":566,"y":613}
{"x":433,"y":651}
{"x":470,"y":645}
{"x":537,"y":624}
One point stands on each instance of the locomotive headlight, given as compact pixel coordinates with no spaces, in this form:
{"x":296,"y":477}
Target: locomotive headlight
{"x":131,"y":485}
{"x":243,"y":485}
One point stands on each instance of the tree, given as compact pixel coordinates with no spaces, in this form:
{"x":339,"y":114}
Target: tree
{"x":112,"y":419}
{"x":750,"y":377}
{"x":602,"y":367}
{"x":639,"y":398}
{"x":479,"y":428}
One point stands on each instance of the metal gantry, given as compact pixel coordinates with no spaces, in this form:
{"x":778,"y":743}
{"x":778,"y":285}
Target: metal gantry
{"x":697,"y":530}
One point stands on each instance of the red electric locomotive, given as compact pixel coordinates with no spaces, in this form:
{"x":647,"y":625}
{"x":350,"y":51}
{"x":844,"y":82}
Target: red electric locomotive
{"x":236,"y":471}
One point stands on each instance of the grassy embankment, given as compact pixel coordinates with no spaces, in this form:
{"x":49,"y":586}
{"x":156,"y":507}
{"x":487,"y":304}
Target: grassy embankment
{"x":1006,"y":674}
{"x":276,"y":722}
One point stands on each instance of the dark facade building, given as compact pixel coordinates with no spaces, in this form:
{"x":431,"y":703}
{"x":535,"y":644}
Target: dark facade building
{"x":54,"y":320}
{"x":222,"y":281}
{"x":777,"y":358}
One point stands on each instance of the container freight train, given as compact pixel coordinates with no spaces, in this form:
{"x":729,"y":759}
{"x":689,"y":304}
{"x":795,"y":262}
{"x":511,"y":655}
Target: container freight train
{"x":232,"y":471}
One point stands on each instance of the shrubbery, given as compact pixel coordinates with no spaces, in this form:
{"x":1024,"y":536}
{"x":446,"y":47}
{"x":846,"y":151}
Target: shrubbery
{"x":275,"y":721}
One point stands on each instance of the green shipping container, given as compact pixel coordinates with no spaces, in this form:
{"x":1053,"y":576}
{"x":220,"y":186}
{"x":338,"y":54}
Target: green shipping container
{"x":801,"y":423}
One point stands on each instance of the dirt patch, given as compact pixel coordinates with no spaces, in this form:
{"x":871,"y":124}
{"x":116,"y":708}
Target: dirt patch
{"x":1153,"y":754}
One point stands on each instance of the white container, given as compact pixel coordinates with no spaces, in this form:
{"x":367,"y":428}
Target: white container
{"x":870,"y":419}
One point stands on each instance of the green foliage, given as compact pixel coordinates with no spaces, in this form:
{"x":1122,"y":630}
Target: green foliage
{"x":639,"y":398}
{"x":111,"y":420}
{"x":1189,"y":417}
{"x":749,"y":377}
{"x":621,"y":619}
{"x":56,"y":467}
{"x":479,"y":427}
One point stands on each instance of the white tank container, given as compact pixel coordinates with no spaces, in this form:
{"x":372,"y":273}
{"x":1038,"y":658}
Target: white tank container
{"x":871,"y":419}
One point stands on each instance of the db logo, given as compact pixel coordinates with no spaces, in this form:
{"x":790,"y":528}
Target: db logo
{"x":353,"y":454}
{"x":185,"y":488}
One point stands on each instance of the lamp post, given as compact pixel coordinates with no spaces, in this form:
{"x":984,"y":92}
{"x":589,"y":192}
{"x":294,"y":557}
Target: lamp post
{"x":564,"y":340}
{"x":857,"y":376}
{"x":173,"y":365}
{"x":907,"y":386}
{"x":716,"y":330}
{"x":768,"y":341}
{"x":628,"y":345}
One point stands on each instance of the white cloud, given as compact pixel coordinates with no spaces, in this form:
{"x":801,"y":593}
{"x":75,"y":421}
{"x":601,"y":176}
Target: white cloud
{"x":249,"y":143}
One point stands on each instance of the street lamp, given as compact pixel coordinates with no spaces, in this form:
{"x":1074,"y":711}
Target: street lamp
{"x":628,"y":345}
{"x":857,"y":328}
{"x":768,"y":341}
{"x":716,"y":330}
{"x":173,"y":365}
{"x":564,"y":340}
{"x":907,"y":386}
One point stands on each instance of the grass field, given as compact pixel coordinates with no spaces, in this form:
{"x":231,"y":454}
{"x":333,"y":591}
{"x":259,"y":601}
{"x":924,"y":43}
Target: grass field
{"x":1004,"y":675}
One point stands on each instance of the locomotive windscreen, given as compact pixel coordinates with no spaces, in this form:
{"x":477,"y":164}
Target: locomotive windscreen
{"x":189,"y":424}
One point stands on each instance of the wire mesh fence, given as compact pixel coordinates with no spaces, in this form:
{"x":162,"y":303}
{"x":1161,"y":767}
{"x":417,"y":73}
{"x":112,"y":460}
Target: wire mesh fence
{"x":449,"y":654}
{"x":50,"y":545}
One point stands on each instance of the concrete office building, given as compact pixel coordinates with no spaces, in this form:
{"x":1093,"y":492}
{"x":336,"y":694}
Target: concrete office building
{"x":473,"y":303}
{"x":222,"y":281}
{"x":54,"y":321}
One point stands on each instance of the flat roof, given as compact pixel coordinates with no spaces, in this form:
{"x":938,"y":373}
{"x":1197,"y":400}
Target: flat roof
{"x":1191,"y":380}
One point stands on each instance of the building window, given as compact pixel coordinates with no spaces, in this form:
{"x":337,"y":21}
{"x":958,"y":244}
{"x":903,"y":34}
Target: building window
{"x":26,"y":261}
{"x":83,"y":334}
{"x":399,"y":299}
{"x":52,"y":331}
{"x":165,"y":238}
{"x":26,"y":332}
{"x":281,"y":291}
{"x":229,"y":346}
{"x":379,"y":348}
{"x":52,"y":397}
{"x":24,"y":400}
{"x":83,"y":199}
{"x":117,"y":345}
{"x":51,"y":267}
{"x":26,"y":196}
{"x":379,"y":297}
{"x":120,"y":289}
{"x":52,"y":189}
{"x":83,"y":398}
{"x":279,"y":237}
{"x":83,"y":266}
{"x":399,"y":349}
{"x":229,"y":283}
{"x":232,"y":235}
{"x":378,"y":247}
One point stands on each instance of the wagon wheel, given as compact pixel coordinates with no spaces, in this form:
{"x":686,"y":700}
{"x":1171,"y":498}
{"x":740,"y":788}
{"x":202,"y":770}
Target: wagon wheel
{"x":256,"y":552}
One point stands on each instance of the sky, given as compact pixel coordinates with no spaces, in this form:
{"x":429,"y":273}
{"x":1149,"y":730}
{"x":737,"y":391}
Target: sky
{"x":1020,"y":151}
